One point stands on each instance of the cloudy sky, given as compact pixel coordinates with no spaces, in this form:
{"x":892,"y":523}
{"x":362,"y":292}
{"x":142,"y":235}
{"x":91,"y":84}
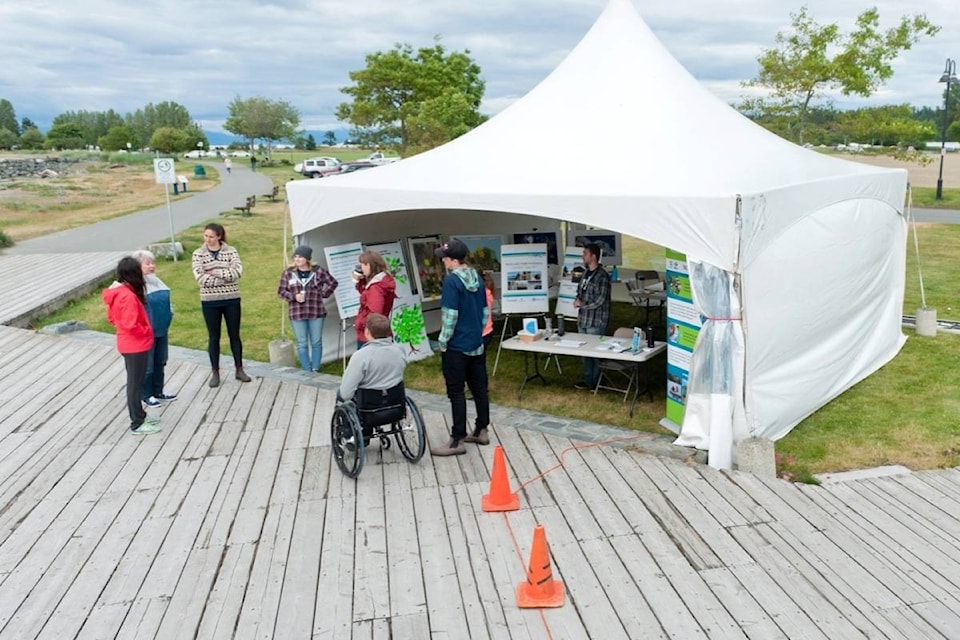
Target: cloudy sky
{"x":101,"y":54}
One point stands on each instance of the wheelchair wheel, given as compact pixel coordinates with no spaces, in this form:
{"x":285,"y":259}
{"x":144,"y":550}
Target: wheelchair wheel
{"x":347,"y":440}
{"x":410,"y":435}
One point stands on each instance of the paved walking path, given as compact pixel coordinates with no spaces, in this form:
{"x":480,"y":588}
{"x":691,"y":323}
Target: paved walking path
{"x":153,"y":225}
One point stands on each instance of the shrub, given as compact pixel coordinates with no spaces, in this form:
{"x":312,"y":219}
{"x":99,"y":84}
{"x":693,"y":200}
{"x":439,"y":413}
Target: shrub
{"x":5,"y":240}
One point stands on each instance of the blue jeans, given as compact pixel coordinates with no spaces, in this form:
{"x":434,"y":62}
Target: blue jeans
{"x":591,"y":366}
{"x":156,"y":360}
{"x":309,"y":335}
{"x":459,"y":369}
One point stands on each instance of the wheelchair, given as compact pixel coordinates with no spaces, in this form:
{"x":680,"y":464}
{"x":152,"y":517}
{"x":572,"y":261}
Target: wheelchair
{"x":376,"y":414}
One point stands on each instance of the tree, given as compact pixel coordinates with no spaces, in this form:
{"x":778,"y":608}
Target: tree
{"x":8,"y":117}
{"x":953,"y":131}
{"x":172,"y":140}
{"x":117,"y":138}
{"x":8,"y":139}
{"x":329,"y":138}
{"x":310,"y":143}
{"x":27,"y":123}
{"x":891,"y":125}
{"x":144,"y":122}
{"x":93,"y":124}
{"x":31,"y":138}
{"x":812,"y":59}
{"x":413,"y":101}
{"x":67,"y":135}
{"x":260,"y":118}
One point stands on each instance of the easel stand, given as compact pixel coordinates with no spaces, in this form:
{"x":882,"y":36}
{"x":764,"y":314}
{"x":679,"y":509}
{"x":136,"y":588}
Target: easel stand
{"x":507,"y":317}
{"x":342,"y":342}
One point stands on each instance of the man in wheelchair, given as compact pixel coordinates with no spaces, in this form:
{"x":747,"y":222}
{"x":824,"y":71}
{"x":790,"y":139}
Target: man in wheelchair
{"x":376,"y":368}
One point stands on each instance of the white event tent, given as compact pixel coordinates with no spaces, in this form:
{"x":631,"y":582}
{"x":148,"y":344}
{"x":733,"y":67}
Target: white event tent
{"x":797,"y":259}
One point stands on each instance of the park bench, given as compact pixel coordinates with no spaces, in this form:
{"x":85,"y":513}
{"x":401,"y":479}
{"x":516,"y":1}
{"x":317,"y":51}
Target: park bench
{"x":250,"y":204}
{"x":273,"y":194}
{"x":199,"y":171}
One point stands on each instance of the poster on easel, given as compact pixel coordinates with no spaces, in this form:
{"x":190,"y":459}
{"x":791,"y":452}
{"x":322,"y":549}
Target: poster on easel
{"x":428,"y":269}
{"x":341,"y":260}
{"x":409,"y":328}
{"x":570,"y":274}
{"x":524,"y":280}
{"x":683,"y":327}
{"x":392,"y":254}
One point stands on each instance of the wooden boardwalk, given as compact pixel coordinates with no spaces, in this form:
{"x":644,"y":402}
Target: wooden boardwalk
{"x":32,"y":286}
{"x":232,"y":523}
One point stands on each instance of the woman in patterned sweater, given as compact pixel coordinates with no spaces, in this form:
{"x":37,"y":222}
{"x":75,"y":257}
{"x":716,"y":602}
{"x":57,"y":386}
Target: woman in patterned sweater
{"x":217,"y":269}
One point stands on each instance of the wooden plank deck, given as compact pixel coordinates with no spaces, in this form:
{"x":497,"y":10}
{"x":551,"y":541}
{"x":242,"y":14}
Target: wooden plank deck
{"x":28,"y":292}
{"x":233,"y":523}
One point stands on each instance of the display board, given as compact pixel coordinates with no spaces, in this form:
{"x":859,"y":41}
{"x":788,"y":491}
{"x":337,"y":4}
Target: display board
{"x":548,"y":238}
{"x":484,"y":251}
{"x":392,"y":253}
{"x":570,"y":275}
{"x":341,"y":260}
{"x":683,"y":327}
{"x":428,"y":269}
{"x":524,"y":280}
{"x":610,"y":242}
{"x":409,"y":328}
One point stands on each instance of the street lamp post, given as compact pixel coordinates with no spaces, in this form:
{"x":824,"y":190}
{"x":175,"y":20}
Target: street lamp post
{"x":200,"y":147}
{"x":949,"y":76}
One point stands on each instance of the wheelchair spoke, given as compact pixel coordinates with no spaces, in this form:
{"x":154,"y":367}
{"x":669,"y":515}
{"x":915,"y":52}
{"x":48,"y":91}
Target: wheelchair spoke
{"x":410,"y":433}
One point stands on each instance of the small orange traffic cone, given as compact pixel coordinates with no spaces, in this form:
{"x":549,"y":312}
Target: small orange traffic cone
{"x":500,"y":498}
{"x":540,"y":589}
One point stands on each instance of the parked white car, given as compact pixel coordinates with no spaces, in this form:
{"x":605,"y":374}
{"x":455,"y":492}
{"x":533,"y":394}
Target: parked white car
{"x":196,"y":153}
{"x":240,"y":154}
{"x":378,"y":158}
{"x":312,"y":167}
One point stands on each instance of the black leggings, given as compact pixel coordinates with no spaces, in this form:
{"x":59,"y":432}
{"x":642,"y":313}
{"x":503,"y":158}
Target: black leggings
{"x":212,"y":315}
{"x":136,"y":366}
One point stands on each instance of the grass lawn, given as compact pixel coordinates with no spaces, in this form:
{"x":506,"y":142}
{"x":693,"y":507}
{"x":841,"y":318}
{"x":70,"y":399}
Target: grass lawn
{"x":906,"y":413}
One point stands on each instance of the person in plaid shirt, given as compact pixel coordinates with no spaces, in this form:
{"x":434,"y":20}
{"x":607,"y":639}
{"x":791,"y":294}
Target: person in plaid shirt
{"x":304,"y":285}
{"x":593,"y":305}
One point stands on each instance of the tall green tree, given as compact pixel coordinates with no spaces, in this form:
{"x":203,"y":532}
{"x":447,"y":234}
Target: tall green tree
{"x":8,"y":117}
{"x":27,"y":123}
{"x":93,"y":124}
{"x":32,"y":139}
{"x":329,"y":138}
{"x":413,"y":100}
{"x":66,"y":135}
{"x":143,"y":122}
{"x":259,"y":118}
{"x":8,"y":139}
{"x":117,"y":138}
{"x":811,"y":59}
{"x":172,"y":140}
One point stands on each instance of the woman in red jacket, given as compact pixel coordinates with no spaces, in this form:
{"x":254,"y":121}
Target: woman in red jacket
{"x":125,"y":301}
{"x":377,"y":290}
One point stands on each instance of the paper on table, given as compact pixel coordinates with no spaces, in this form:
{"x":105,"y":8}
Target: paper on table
{"x":570,"y":344}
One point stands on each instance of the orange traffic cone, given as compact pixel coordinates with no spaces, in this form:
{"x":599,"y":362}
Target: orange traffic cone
{"x":500,"y":498}
{"x":540,"y":589}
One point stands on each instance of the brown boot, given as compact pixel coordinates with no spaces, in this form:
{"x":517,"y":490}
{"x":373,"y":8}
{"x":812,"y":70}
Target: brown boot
{"x":241,"y":376}
{"x":480,"y":437}
{"x":215,"y":378}
{"x":452,"y":448}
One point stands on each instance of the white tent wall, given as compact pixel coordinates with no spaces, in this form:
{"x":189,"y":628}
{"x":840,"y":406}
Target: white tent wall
{"x":822,"y":310}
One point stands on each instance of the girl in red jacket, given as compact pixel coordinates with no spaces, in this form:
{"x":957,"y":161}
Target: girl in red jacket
{"x":125,"y":301}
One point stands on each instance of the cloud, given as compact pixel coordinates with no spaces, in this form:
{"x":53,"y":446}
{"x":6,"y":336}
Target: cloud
{"x":103,"y":54}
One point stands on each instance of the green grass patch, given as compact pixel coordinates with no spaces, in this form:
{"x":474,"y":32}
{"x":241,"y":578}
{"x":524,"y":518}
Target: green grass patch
{"x":926,"y":198}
